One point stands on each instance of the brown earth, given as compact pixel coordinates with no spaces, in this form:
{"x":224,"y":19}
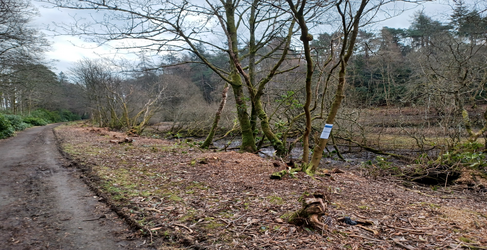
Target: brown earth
{"x":46,"y":206}
{"x":184,"y":197}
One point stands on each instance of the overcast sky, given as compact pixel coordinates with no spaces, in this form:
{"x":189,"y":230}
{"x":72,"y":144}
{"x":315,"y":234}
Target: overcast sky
{"x":66,"y":50}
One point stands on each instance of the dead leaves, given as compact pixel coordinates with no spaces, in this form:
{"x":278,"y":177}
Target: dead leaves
{"x":227,"y":198}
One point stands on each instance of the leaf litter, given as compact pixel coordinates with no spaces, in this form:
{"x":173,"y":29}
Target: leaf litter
{"x":180,"y":197}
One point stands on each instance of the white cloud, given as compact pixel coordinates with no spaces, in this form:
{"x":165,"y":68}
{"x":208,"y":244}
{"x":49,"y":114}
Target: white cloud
{"x":66,"y":50}
{"x":438,"y":10}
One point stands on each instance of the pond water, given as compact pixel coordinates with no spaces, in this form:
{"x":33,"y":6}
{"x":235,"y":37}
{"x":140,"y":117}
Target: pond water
{"x":353,"y":158}
{"x":296,"y":152}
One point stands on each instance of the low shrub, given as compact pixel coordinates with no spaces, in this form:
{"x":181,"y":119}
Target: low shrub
{"x":22,"y":126}
{"x":17,"y":122}
{"x":380,"y":167}
{"x":40,"y":117}
{"x":35,"y":121}
{"x":55,"y":116}
{"x":46,"y":115}
{"x":469,"y":154}
{"x":6,"y":130}
{"x":68,"y":116}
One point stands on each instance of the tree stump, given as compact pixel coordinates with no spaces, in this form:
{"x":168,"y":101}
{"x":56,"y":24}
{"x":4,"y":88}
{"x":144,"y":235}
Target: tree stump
{"x":312,"y":212}
{"x":125,"y":140}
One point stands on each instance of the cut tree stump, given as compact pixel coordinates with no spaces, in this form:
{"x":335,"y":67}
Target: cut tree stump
{"x":125,"y":140}
{"x":312,"y":212}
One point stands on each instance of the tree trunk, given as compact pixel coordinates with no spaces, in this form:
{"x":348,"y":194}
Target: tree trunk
{"x":248,"y":141}
{"x":209,"y":138}
{"x":305,"y":38}
{"x":249,"y":124}
{"x":264,"y":123}
{"x":349,"y":41}
{"x":318,"y":151}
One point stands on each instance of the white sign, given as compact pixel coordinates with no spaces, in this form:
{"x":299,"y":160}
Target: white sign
{"x":326,"y":131}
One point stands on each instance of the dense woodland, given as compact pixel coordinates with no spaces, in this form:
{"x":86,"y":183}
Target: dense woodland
{"x":266,"y":73}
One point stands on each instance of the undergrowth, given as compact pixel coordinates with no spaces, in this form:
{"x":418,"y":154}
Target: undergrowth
{"x":444,"y":169}
{"x":9,"y":123}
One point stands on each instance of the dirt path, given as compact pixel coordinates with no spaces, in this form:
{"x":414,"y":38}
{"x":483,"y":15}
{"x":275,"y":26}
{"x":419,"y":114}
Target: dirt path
{"x":46,"y":206}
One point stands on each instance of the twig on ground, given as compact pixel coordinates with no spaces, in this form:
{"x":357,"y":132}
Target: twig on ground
{"x":233,"y":221}
{"x":402,"y":245}
{"x":416,"y":191}
{"x":101,"y":217}
{"x":369,"y":229}
{"x":152,"y":209}
{"x":150,"y":232}
{"x":365,"y":237}
{"x":185,"y":227}
{"x":452,"y":198}
{"x":409,"y":220}
{"x":228,"y":223}
{"x":415,"y":230}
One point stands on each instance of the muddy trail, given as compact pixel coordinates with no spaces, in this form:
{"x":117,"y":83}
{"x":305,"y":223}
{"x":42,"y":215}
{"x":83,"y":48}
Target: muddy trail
{"x":46,"y":206}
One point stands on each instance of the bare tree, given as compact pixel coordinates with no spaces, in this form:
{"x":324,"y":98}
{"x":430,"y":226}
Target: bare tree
{"x":18,"y":42}
{"x":118,"y":102}
{"x":352,"y":15}
{"x":20,"y":48}
{"x":451,"y":75}
{"x":238,"y":28}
